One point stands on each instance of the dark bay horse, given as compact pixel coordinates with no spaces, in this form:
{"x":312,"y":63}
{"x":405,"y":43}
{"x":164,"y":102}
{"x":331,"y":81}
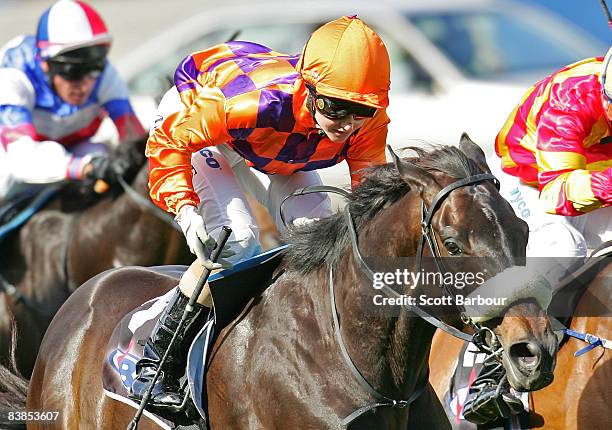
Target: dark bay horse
{"x":280,"y":364}
{"x":73,"y":238}
{"x":580,"y":395}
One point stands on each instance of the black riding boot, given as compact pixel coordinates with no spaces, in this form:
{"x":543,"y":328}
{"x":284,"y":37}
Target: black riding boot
{"x":489,"y":397}
{"x":166,"y":391}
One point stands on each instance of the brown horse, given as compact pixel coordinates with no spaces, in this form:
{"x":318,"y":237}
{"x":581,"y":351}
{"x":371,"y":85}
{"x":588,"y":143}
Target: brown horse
{"x":285,"y":362}
{"x":580,"y":395}
{"x":71,"y":240}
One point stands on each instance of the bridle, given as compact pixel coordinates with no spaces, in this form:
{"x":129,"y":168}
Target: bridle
{"x":427,"y":236}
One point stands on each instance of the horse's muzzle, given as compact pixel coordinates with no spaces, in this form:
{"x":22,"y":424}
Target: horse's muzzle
{"x":530,"y":363}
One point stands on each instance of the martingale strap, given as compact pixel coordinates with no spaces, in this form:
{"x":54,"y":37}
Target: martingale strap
{"x":381,"y":399}
{"x":592,"y":340}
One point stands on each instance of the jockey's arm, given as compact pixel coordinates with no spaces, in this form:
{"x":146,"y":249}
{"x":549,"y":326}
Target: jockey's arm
{"x":368,"y":148}
{"x":170,"y":146}
{"x":31,"y":160}
{"x":569,"y":185}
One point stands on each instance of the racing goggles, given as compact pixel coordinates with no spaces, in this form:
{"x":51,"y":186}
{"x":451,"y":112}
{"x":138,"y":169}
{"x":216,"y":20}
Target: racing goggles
{"x":77,"y":71}
{"x":336,"y":109}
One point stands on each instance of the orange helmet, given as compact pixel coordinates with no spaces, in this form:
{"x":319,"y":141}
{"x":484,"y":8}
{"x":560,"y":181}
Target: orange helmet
{"x":346,"y":59}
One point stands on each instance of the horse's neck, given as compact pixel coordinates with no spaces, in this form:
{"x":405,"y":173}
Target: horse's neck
{"x":391,"y":352}
{"x":113,"y":219}
{"x":594,"y":302}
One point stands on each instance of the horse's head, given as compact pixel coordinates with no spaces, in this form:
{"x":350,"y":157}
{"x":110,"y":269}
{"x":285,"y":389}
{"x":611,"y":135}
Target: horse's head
{"x":465,"y":216}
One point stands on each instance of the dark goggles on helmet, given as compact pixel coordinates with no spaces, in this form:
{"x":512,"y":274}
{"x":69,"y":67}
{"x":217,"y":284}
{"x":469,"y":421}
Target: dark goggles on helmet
{"x":79,"y":63}
{"x":339,"y":109}
{"x":76,"y":71}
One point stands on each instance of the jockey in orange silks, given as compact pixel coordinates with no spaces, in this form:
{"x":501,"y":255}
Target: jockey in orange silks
{"x":240,"y":106}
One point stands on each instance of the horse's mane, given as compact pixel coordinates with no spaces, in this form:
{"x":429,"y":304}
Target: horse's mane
{"x":322,"y":243}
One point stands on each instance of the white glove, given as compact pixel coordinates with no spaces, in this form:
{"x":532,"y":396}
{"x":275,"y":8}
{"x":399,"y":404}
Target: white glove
{"x":199,"y":241}
{"x":303,"y":221}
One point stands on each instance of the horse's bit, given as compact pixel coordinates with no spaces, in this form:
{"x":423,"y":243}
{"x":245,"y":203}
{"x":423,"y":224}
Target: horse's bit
{"x":428,"y":235}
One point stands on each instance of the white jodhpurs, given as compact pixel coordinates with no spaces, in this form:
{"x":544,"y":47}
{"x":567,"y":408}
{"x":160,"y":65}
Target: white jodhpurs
{"x":221,"y":178}
{"x":552,"y":235}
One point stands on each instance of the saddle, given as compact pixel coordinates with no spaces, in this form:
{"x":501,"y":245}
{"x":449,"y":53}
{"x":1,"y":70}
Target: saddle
{"x":232,"y":290}
{"x":16,"y":212}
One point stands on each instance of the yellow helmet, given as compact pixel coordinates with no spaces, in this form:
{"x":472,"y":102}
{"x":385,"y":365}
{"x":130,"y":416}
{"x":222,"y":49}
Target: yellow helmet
{"x":347,"y":60}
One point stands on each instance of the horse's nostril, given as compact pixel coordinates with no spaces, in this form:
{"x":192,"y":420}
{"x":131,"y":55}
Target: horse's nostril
{"x":526,"y":354}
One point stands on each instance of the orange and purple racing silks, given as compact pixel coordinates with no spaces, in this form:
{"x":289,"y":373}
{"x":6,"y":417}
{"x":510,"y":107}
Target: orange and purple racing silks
{"x":557,"y":139}
{"x":252,"y":98}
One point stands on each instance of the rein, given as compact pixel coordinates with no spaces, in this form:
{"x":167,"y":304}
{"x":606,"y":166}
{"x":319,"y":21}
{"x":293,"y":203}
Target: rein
{"x":428,"y":235}
{"x":147,"y":204}
{"x":382,"y":399}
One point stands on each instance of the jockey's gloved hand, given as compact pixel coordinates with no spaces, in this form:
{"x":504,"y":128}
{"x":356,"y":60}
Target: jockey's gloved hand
{"x":199,"y":241}
{"x":118,"y":168}
{"x":98,"y":168}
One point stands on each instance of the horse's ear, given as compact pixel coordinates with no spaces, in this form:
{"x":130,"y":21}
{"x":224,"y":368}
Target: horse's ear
{"x":419,"y":180}
{"x":396,"y":159}
{"x":473,"y":152}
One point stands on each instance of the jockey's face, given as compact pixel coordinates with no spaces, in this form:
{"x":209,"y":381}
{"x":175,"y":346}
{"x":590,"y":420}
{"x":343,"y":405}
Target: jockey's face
{"x":339,"y":130}
{"x":75,"y":92}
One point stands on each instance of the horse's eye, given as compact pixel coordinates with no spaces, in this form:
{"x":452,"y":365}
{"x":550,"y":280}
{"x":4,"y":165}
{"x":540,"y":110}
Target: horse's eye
{"x":452,"y":247}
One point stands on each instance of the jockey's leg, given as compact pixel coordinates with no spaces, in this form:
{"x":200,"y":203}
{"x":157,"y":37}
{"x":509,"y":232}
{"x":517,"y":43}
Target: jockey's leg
{"x":222,"y":202}
{"x":595,"y":226}
{"x":166,"y":391}
{"x":190,"y":279}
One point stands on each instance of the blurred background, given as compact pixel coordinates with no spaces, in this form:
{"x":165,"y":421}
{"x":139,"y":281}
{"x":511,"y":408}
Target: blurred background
{"x":457,"y":65}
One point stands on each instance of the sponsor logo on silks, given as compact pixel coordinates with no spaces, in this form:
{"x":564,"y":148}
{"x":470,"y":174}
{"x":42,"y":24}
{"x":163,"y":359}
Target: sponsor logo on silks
{"x":124,"y":364}
{"x":210,"y":160}
{"x":517,"y":200}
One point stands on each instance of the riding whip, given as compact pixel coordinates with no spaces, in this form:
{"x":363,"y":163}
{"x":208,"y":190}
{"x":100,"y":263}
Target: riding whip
{"x":225,"y":234}
{"x":604,"y":6}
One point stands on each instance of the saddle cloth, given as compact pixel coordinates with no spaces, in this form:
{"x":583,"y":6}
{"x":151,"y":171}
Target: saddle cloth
{"x":231,"y":291}
{"x":467,"y":368}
